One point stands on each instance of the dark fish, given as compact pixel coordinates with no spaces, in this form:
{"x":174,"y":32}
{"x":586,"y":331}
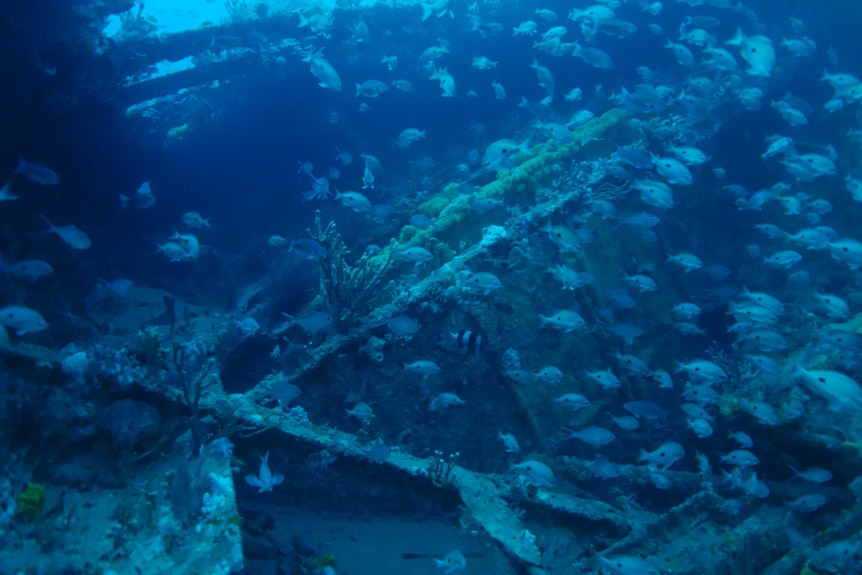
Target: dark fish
{"x":141,"y":200}
{"x":420,"y":221}
{"x":620,"y":298}
{"x":503,"y":307}
{"x":307,"y":247}
{"x":634,"y":156}
{"x":646,"y":409}
{"x":284,"y":392}
{"x":469,"y":340}
{"x":378,"y":453}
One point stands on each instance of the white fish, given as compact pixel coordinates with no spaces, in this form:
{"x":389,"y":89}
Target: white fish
{"x":403,"y":85}
{"x":422,"y":367}
{"x":663,"y":457}
{"x":409,"y":136}
{"x":816,"y":475}
{"x":595,"y":436}
{"x":800,"y":47}
{"x":655,"y":193}
{"x":628,"y":565}
{"x":565,"y":238}
{"x":594,"y":57}
{"x":700,"y":427}
{"x":546,"y":79}
{"x":575,"y":401}
{"x":453,"y":563}
{"x":416,"y":254}
{"x":361,"y":411}
{"x":74,"y":237}
{"x":626,"y":422}
{"x":848,"y":251}
{"x":563,"y":320}
{"x":683,"y":55}
{"x":173,"y":251}
{"x":783,"y":259}
{"x":538,"y":473}
{"x":722,"y":60}
{"x":743,"y":439}
{"x":703,"y":371}
{"x":752,"y":314}
{"x":840,"y":80}
{"x":740,"y":458}
{"x":195,"y":220}
{"x":484,"y":282}
{"x":371,"y":88}
{"x":444,"y":401}
{"x":447,"y":82}
{"x":771,"y":303}
{"x":686,"y":261}
{"x":326,"y":75}
{"x":686,"y":310}
{"x":549,"y":374}
{"x":29,"y":270}
{"x":510,"y":444}
{"x":632,"y":364}
{"x":527,"y":28}
{"x":606,"y":379}
{"x":483,"y":63}
{"x":672,"y":170}
{"x":499,"y":91}
{"x":574,"y":95}
{"x":840,"y":390}
{"x":760,"y":410}
{"x":22,"y":319}
{"x":778,"y":145}
{"x":689,"y":155}
{"x":663,"y":378}
{"x":834,"y":307}
{"x":189,"y":243}
{"x":641,"y":282}
{"x":390,"y":61}
{"x":353,"y":200}
{"x":592,"y":14}
{"x":498,"y":154}
{"x":545,"y":14}
{"x":758,"y":51}
{"x":367,"y":176}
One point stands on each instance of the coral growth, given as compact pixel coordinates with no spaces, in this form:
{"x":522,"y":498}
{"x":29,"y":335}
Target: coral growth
{"x":31,"y":501}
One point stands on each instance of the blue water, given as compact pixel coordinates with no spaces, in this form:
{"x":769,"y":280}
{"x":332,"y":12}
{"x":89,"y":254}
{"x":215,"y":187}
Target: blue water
{"x":227,"y":140}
